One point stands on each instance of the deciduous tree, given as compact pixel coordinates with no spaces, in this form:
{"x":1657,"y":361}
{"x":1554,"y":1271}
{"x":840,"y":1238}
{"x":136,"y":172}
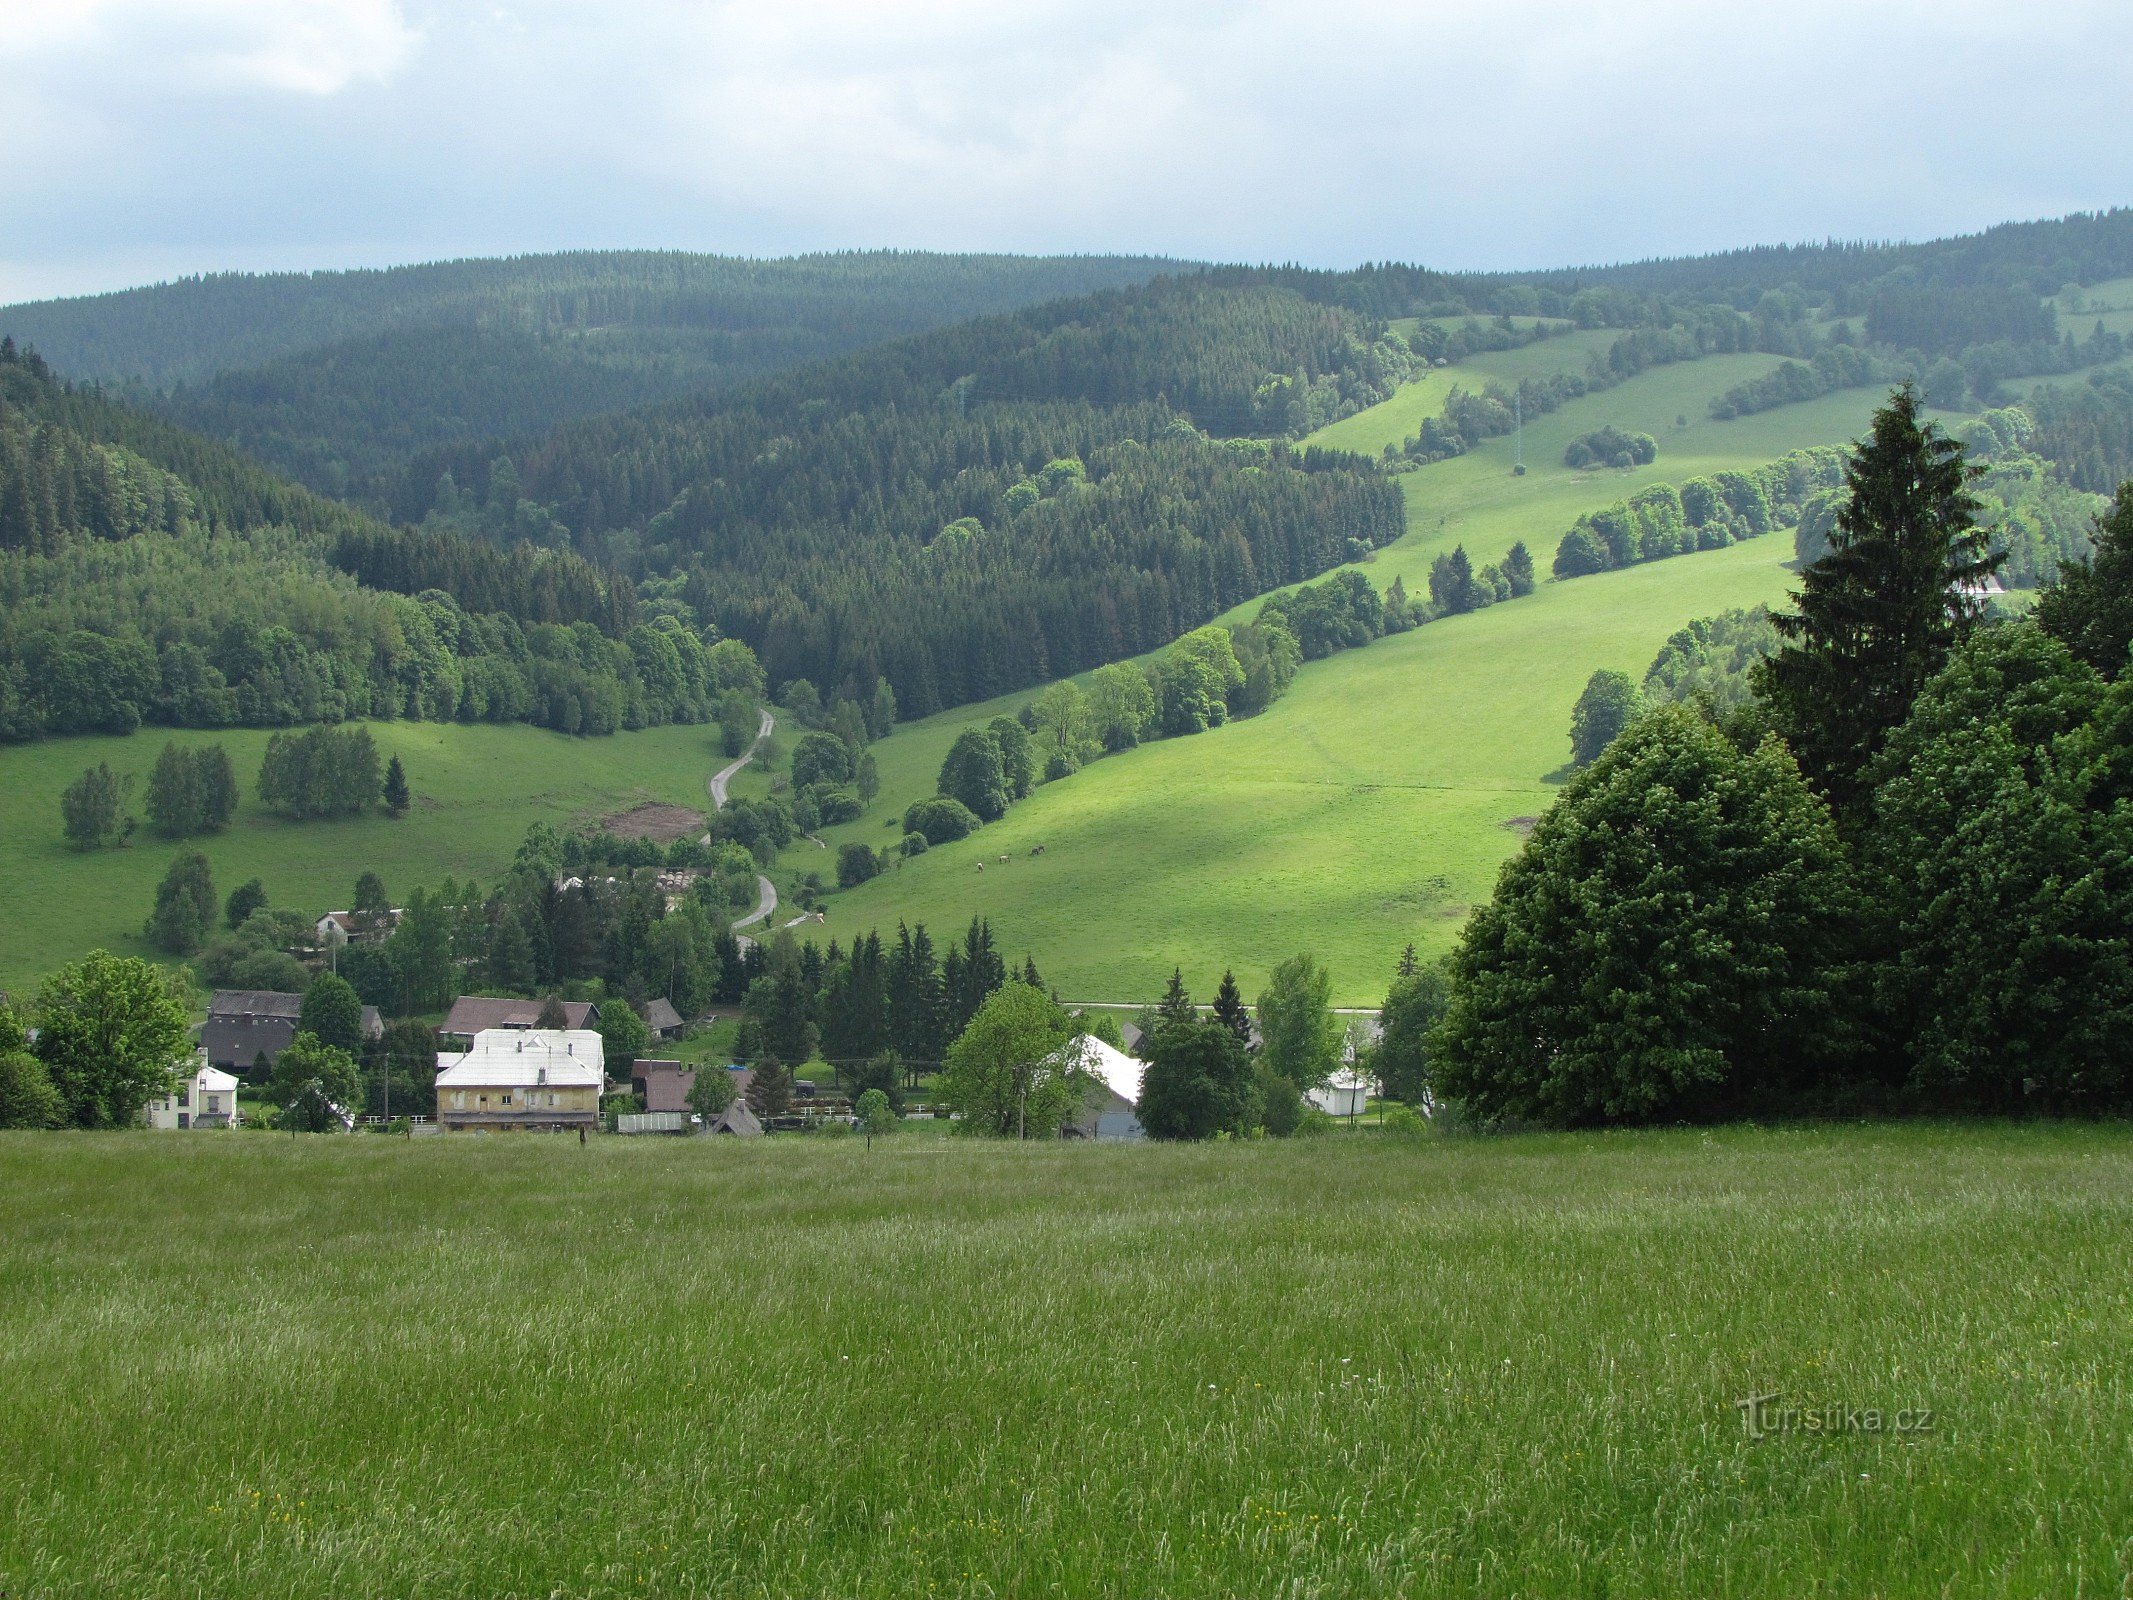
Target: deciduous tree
{"x":185,"y":905}
{"x":111,"y":1031}
{"x":1009,"y":1073}
{"x":1300,"y":1037}
{"x":1673,"y":940}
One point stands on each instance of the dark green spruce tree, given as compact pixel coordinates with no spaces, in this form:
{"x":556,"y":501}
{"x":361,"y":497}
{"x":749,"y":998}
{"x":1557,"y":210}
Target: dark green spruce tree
{"x":1177,"y":1004}
{"x":1230,"y":1011}
{"x":1902,"y":583}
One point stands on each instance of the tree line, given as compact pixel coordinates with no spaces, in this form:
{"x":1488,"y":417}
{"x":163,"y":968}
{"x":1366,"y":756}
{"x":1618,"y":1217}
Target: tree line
{"x":1703,"y":514}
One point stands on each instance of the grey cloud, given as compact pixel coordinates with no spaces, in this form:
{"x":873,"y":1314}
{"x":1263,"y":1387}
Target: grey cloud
{"x":181,"y":135}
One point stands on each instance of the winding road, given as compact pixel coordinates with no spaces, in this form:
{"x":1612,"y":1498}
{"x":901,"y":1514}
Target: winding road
{"x":766,"y":891}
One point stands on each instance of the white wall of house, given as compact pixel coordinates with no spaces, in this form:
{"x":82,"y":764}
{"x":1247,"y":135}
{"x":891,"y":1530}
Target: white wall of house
{"x":206,"y":1098}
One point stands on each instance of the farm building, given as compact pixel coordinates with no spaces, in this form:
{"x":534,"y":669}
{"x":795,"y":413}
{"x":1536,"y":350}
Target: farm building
{"x":206,"y":1097}
{"x":662,"y":1019}
{"x":547,"y":1079}
{"x":1108,"y":1113}
{"x":473,"y":1014}
{"x":1342,"y":1095}
{"x":245,"y":1024}
{"x":737,"y":1120}
{"x":355,"y":927}
{"x":663,"y":1085}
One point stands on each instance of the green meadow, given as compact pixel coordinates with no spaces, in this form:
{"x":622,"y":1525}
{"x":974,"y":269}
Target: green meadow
{"x":1375,"y":802}
{"x":477,"y":788}
{"x":1343,"y":1366}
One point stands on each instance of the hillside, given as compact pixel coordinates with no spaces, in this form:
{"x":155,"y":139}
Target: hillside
{"x":954,"y":519}
{"x":1374,"y":802}
{"x":476,"y":791}
{"x":337,"y":377}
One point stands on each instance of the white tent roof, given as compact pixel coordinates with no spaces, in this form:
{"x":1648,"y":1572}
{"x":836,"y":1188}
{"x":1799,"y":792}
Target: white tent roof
{"x":214,"y":1080}
{"x":522,"y":1058}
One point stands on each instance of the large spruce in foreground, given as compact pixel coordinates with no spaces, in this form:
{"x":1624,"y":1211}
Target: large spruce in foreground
{"x":1903,"y":582}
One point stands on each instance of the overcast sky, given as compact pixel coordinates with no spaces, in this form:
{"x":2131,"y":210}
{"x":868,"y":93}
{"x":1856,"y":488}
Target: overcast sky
{"x":141,"y":139}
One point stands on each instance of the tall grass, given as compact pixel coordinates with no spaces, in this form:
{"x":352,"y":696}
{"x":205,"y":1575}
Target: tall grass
{"x":280,"y":1367}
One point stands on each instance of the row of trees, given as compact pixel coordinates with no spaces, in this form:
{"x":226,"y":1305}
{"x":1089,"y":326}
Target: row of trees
{"x":1703,"y":514}
{"x":324,"y":772}
{"x":1895,"y":876}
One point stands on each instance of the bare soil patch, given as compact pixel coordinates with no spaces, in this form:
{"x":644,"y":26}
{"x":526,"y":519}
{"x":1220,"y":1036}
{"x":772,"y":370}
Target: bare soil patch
{"x":662,"y":824}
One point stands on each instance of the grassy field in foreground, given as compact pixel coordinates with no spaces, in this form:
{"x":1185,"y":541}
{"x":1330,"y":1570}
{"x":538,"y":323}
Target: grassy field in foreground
{"x":303,"y":1368}
{"x":1376,"y":801}
{"x":477,"y":789}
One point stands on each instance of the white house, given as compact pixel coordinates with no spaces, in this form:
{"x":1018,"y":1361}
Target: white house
{"x":206,"y":1097}
{"x":542,"y":1078}
{"x":1109,"y":1113}
{"x":1342,"y":1095}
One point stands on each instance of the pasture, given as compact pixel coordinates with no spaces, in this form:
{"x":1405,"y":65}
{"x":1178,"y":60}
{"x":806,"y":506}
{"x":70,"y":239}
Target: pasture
{"x":282,"y":1367}
{"x":1375,"y":802}
{"x":477,"y":788}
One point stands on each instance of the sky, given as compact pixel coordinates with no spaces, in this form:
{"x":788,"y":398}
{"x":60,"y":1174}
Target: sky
{"x":146,"y":139}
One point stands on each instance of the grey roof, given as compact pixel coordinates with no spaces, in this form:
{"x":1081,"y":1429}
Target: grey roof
{"x":253,"y":1003}
{"x":245,"y":1024}
{"x":476,"y":1013}
{"x":660,"y":1015}
{"x":736,"y":1118}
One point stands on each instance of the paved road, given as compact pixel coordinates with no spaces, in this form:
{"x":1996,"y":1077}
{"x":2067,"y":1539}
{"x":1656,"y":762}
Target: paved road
{"x":767,"y":901}
{"x":764,"y":906}
{"x":724,"y":775}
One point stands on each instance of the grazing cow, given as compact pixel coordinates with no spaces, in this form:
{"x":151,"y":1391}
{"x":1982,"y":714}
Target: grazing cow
{"x":1003,"y":858}
{"x":981,"y":866}
{"x":1036,"y":849}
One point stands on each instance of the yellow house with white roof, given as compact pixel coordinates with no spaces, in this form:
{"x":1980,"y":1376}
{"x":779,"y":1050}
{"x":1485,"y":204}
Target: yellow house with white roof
{"x":546,"y":1079}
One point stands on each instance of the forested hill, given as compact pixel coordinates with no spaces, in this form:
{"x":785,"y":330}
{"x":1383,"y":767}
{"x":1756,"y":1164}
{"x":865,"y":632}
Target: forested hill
{"x":333,"y":377}
{"x":986,"y":506}
{"x":150,"y":575}
{"x":2037,"y":257}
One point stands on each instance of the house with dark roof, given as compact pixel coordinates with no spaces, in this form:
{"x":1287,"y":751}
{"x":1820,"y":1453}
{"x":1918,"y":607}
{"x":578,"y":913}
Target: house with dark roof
{"x":662,"y":1085}
{"x":662,"y":1019}
{"x":476,"y":1013}
{"x":245,"y":1024}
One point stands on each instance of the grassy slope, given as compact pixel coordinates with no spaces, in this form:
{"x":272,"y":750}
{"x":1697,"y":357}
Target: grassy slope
{"x":1503,"y":1367}
{"x":1368,"y":807}
{"x":477,"y":789}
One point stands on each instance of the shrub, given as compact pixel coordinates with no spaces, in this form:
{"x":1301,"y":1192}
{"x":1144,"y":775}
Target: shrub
{"x":856,"y":863}
{"x":1611,"y":447}
{"x":941,"y":820}
{"x":1405,"y":1123}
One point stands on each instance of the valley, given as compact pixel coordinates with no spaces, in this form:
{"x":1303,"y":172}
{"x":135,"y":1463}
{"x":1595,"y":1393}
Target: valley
{"x":1373,"y":803}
